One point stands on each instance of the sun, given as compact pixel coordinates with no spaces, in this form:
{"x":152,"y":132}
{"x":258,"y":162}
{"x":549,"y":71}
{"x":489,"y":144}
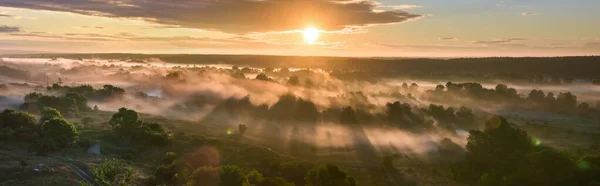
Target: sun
{"x":311,"y":35}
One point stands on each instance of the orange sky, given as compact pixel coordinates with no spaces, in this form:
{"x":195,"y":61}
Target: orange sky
{"x":427,"y":28}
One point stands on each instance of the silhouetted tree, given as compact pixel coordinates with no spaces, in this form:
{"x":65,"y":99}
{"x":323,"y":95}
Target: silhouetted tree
{"x":294,"y":80}
{"x":242,"y":128}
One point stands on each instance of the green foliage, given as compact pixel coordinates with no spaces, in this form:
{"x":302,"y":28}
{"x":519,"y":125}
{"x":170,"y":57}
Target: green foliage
{"x":504,"y":155}
{"x":254,"y":177}
{"x":329,"y":175}
{"x":125,"y":122}
{"x":56,"y":133}
{"x":153,"y":134}
{"x":49,"y":113}
{"x":19,"y":126}
{"x":113,"y":172}
{"x":14,"y":119}
{"x":205,"y":176}
{"x":231,"y":175}
{"x":70,"y":103}
{"x":105,"y":93}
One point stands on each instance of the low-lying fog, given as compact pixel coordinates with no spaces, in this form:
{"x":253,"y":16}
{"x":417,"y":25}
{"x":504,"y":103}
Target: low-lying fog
{"x":157,"y":87}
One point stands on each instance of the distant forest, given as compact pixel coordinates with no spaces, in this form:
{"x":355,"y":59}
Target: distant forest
{"x":574,"y":67}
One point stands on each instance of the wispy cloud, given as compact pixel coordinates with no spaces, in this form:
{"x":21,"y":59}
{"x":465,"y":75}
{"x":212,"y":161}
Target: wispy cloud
{"x":529,"y":14}
{"x":448,"y":38}
{"x":499,"y":41}
{"x":9,"y":29}
{"x":404,"y":7}
{"x":7,"y":15}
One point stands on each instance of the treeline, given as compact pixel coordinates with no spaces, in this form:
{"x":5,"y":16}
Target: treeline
{"x":578,"y":67}
{"x":564,"y":102}
{"x":14,"y":73}
{"x":105,"y":93}
{"x":183,"y":170}
{"x":52,"y":132}
{"x":290,"y":108}
{"x":504,"y":155}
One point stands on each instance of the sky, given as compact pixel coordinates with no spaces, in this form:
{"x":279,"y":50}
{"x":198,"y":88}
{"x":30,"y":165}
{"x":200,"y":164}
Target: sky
{"x":358,"y":28}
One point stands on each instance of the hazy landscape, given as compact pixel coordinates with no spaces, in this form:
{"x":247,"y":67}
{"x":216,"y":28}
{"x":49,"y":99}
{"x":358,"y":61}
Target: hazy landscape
{"x":300,"y":92}
{"x":391,"y":122}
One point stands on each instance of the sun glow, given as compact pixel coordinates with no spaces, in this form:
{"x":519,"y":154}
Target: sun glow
{"x":310,"y":35}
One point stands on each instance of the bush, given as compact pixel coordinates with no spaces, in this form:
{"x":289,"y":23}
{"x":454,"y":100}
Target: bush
{"x":13,"y":119}
{"x":232,"y":176}
{"x":56,"y":134}
{"x":329,"y":175}
{"x":107,"y":173}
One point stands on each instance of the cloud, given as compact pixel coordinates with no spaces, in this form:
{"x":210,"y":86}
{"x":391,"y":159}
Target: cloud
{"x":232,"y":16}
{"x":499,"y":41}
{"x":9,"y":29}
{"x":529,"y":14}
{"x":404,"y":7}
{"x":448,"y":38}
{"x":7,"y":15}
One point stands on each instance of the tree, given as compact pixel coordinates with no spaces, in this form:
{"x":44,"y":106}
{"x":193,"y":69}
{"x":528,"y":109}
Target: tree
{"x":125,"y":122}
{"x":329,"y":175}
{"x":13,"y":119}
{"x":205,"y":176}
{"x":49,"y":113}
{"x":498,"y":150}
{"x":231,"y":175}
{"x":108,"y":173}
{"x":57,"y":133}
{"x":439,"y":88}
{"x":242,"y":128}
{"x":294,"y":80}
{"x":263,"y":77}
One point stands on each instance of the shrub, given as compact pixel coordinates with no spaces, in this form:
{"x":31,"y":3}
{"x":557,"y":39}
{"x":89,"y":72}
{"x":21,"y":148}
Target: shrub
{"x":329,"y":175}
{"x":13,"y":119}
{"x":107,"y":173}
{"x":231,"y":175}
{"x":56,"y":134}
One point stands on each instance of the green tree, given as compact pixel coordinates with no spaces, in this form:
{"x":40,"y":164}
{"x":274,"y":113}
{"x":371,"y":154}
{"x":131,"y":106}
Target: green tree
{"x":329,"y":175}
{"x":13,"y":119}
{"x":57,"y":133}
{"x":205,"y":176}
{"x":107,"y":173}
{"x":125,"y":122}
{"x":49,"y":113}
{"x":231,"y":175}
